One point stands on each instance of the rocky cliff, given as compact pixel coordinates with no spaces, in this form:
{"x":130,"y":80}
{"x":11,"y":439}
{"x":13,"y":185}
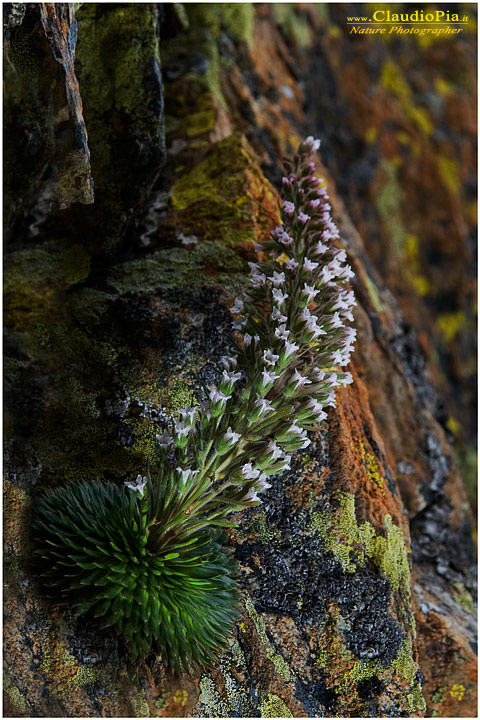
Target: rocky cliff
{"x":143,"y":159}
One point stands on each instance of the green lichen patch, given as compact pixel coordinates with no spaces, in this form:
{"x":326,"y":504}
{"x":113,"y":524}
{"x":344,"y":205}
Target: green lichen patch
{"x":201,"y":27}
{"x":464,"y":598}
{"x":172,"y":270}
{"x":226,"y":196}
{"x":294,"y":24}
{"x":118,"y":68}
{"x":353,"y":544}
{"x":389,"y":205}
{"x":279,"y":663}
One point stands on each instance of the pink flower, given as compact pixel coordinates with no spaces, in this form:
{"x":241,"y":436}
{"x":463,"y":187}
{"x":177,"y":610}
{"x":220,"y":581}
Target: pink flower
{"x":289,"y":207}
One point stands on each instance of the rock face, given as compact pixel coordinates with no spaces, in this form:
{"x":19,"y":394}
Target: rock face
{"x":357,"y":572}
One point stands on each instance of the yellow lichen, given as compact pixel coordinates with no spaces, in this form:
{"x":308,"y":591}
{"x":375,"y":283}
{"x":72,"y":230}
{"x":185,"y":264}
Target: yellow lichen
{"x":273,"y":706}
{"x":450,"y":324}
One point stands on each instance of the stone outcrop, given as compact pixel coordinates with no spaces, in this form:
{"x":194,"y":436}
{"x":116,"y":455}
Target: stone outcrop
{"x":357,"y":572}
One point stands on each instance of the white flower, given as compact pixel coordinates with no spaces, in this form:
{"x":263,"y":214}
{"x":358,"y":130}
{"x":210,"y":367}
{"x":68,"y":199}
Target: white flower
{"x":247,"y":339}
{"x":262,"y":483}
{"x":304,"y":218}
{"x":332,"y":380}
{"x":306,"y":443}
{"x":233,"y":436}
{"x":256,"y":339}
{"x":310,"y":292}
{"x":300,"y":380}
{"x":164,"y":440}
{"x":336,"y":322}
{"x":314,"y":144}
{"x":258,"y":280}
{"x":217,"y":396}
{"x":289,"y":207}
{"x":231,"y":377}
{"x":282,"y":332}
{"x":285,"y":239}
{"x":183,"y":429}
{"x":237,"y":307}
{"x":263,"y":404}
{"x":138,"y":486}
{"x":269,"y":357}
{"x":274,"y":450}
{"x":319,"y":374}
{"x":295,"y":429}
{"x":290,"y":348}
{"x":188,"y":413}
{"x":268,"y":377}
{"x":277,"y":315}
{"x":341,"y":255}
{"x":249,"y":473}
{"x":346,"y":379}
{"x":330,"y":401}
{"x":278,"y":278}
{"x":320,"y":248}
{"x":185,"y":475}
{"x":250,"y":496}
{"x":228,"y":362}
{"x":291,"y":264}
{"x":308,"y":265}
{"x":278,"y":296}
{"x":254,"y":270}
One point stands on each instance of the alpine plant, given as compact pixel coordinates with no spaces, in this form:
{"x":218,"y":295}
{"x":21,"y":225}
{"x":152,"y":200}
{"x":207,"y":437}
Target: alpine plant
{"x":146,"y":558}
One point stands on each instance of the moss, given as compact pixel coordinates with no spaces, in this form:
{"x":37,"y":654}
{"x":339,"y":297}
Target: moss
{"x":200,"y":123}
{"x":226,"y":196}
{"x":89,"y":305}
{"x":450,"y":324}
{"x":294,"y":24}
{"x":280,"y":665}
{"x":170,"y":270}
{"x":346,"y":540}
{"x":273,"y":706}
{"x":34,"y":278}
